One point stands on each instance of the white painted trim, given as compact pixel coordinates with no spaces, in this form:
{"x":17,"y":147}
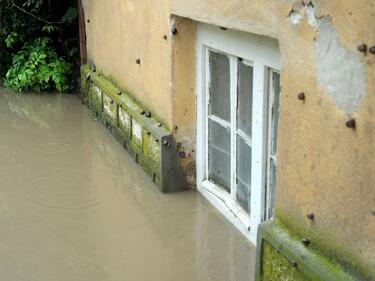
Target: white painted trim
{"x":206,"y":105}
{"x":250,"y":47}
{"x":222,"y":200}
{"x":270,"y":154}
{"x":258,"y":151}
{"x":220,"y":121}
{"x":233,"y":121}
{"x":262,"y":53}
{"x":201,"y":112}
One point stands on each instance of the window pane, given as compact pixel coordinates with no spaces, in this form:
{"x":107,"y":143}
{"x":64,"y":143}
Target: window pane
{"x":245,"y":98}
{"x":243,"y":173}
{"x":219,"y":154}
{"x":271,"y":189}
{"x":275,"y":110}
{"x":219,"y":86}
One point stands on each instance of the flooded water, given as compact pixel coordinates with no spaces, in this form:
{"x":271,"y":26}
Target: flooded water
{"x":75,"y":207}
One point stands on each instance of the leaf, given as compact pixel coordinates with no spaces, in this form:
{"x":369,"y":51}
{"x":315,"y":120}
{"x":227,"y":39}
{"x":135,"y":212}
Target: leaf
{"x":73,"y":51}
{"x":38,"y":67}
{"x":10,"y":39}
{"x":49,"y":28}
{"x":70,"y":15}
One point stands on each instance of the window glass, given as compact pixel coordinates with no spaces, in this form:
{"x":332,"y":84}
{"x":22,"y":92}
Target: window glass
{"x":219,"y":154}
{"x":275,"y":110}
{"x":219,"y":103}
{"x":243,"y":173}
{"x":245,"y":98}
{"x":272,"y":182}
{"x":274,"y":107}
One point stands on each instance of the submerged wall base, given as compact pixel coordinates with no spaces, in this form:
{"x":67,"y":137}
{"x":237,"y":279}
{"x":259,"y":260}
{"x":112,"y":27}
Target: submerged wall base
{"x":148,"y":141}
{"x":280,"y":256}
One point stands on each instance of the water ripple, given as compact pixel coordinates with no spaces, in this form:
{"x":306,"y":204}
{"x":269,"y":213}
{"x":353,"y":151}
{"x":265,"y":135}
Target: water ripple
{"x":55,"y":147}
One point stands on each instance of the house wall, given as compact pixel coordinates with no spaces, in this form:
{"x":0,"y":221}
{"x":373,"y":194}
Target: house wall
{"x":120,"y":32}
{"x":325,"y":168}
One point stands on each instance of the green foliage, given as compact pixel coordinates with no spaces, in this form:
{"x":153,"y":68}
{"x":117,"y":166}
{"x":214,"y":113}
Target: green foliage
{"x":38,"y":67}
{"x":49,"y":28}
{"x":10,"y":39}
{"x":71,"y":14}
{"x":28,"y":60}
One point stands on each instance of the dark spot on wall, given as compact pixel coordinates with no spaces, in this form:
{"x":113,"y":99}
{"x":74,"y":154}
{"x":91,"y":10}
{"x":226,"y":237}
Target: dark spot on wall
{"x":373,"y":212}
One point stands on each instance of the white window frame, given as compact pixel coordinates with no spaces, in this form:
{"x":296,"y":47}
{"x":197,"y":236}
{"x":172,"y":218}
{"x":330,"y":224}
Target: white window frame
{"x":263,"y":54}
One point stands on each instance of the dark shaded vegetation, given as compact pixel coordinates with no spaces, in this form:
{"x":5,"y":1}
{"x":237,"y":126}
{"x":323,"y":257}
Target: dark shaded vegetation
{"x":39,"y":44}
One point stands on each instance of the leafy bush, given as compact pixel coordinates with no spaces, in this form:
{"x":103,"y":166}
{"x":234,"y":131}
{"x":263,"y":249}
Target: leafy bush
{"x":37,"y":67}
{"x":27,"y":59}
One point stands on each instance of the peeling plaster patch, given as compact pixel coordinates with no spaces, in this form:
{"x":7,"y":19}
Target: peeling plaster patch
{"x":310,"y":15}
{"x":294,"y":17}
{"x":303,"y":11}
{"x":339,"y":72}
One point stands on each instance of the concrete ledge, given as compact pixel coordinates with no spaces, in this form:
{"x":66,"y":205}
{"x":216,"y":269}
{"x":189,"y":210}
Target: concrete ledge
{"x":282,"y":257}
{"x":148,"y":141}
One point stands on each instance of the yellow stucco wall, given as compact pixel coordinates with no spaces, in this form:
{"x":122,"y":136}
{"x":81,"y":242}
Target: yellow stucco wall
{"x":119,"y":32}
{"x":324,"y":167}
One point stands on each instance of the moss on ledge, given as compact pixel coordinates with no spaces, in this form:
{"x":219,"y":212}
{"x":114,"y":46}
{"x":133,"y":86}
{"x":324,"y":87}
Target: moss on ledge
{"x":290,"y":259}
{"x":338,"y":255}
{"x":148,"y":141}
{"x":276,"y":267}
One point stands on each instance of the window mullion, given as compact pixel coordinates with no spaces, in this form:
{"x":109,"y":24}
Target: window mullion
{"x":269,"y":140}
{"x":233,"y":115}
{"x":259,"y":133}
{"x":207,"y":104}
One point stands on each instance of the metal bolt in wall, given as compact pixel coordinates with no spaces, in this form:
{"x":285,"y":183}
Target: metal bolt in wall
{"x":310,"y":216}
{"x":350,"y":123}
{"x":301,"y":96}
{"x":174,"y":31}
{"x":362,"y":48}
{"x":372,"y":50}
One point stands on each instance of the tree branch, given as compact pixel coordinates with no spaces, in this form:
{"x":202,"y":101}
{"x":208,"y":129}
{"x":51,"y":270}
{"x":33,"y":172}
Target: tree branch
{"x":36,"y":17}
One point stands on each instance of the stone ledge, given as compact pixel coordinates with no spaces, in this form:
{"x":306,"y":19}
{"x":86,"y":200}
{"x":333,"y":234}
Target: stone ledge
{"x":148,"y":141}
{"x":282,"y":257}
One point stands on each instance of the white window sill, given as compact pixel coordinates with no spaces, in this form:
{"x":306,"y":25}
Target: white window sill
{"x":223,"y":201}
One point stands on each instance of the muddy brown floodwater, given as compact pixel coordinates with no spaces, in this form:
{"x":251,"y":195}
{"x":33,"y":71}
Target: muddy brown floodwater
{"x":75,"y":207}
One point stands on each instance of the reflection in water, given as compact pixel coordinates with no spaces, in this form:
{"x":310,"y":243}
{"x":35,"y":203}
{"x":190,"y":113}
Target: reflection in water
{"x":74,"y":206}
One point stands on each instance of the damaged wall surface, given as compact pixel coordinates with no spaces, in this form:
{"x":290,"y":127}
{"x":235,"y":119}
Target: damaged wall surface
{"x":326,"y":166}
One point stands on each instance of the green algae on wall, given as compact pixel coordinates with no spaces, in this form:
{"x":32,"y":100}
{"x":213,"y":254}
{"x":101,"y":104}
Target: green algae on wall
{"x":282,"y":256}
{"x":148,"y":141}
{"x":276,"y":267}
{"x":340,"y":256}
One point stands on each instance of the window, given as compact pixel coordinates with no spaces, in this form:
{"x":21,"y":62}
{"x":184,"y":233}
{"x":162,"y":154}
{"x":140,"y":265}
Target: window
{"x":238,"y":85}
